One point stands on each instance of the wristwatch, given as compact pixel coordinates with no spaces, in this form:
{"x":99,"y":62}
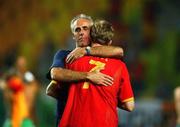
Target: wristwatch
{"x":88,"y":49}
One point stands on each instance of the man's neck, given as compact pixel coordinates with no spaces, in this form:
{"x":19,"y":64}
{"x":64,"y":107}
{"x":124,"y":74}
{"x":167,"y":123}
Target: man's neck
{"x":92,"y":45}
{"x":96,"y":44}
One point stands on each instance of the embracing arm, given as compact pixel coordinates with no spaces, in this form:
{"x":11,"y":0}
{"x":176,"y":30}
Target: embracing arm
{"x":59,"y":74}
{"x":101,"y":51}
{"x":65,"y":75}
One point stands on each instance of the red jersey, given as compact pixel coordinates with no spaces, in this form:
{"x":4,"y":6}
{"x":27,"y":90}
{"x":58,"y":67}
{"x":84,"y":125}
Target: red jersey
{"x":90,"y":105}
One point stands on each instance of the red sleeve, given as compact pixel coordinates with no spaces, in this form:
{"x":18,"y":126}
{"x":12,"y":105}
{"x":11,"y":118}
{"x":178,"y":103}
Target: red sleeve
{"x":126,"y":93}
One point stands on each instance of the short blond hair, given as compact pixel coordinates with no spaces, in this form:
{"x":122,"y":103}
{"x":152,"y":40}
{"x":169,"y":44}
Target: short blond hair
{"x":102,"y":32}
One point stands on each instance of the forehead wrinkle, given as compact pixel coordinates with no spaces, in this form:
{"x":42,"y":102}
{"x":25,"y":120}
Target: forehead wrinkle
{"x":85,"y":26}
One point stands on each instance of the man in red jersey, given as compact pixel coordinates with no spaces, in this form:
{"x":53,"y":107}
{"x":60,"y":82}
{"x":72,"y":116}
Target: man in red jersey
{"x":93,"y":105}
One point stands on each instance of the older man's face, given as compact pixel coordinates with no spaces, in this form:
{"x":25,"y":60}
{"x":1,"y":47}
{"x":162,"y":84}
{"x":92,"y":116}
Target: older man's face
{"x":82,"y":32}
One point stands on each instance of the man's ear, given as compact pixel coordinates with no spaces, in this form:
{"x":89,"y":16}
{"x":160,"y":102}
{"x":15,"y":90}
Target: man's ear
{"x":110,"y":42}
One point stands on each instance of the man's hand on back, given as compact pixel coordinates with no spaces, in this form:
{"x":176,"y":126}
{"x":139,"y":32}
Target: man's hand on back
{"x":100,"y":78}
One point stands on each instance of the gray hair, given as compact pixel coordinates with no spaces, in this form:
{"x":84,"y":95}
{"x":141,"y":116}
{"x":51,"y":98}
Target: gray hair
{"x":80,"y":16}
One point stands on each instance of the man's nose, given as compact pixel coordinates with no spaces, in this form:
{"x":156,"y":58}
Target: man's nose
{"x":81,"y":32}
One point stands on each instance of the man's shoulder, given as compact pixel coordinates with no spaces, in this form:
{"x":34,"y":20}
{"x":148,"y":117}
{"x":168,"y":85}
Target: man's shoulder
{"x":62,"y":51}
{"x":117,"y":62}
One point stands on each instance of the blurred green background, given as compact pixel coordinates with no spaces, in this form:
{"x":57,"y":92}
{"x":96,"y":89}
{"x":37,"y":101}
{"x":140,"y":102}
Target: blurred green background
{"x":148,"y":30}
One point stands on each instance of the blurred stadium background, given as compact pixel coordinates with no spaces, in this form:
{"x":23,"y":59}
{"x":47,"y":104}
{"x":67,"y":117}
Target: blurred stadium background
{"x":148,"y":30}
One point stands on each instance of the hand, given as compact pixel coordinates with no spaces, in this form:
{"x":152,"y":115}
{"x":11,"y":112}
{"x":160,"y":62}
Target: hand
{"x":75,"y":54}
{"x":100,"y":78}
